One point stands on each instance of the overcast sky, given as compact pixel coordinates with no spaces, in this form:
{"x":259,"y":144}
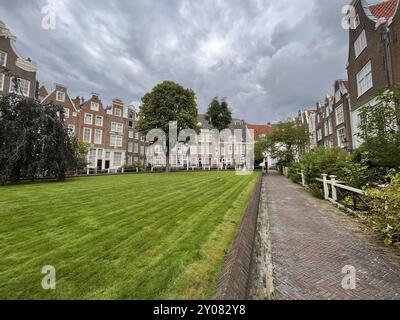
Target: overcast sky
{"x":267,"y":57}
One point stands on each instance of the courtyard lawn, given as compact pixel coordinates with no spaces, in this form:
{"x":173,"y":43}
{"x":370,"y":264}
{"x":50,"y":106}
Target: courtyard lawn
{"x":158,"y":236}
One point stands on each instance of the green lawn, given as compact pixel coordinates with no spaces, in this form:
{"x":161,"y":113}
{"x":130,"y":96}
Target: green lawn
{"x":159,"y":236}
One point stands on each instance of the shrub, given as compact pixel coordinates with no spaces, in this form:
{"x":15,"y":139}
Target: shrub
{"x":294,"y":170}
{"x":385,"y":208}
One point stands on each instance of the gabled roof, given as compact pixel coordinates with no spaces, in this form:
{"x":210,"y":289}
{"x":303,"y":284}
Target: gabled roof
{"x":386,"y":9}
{"x":260,"y":130}
{"x":43,"y":92}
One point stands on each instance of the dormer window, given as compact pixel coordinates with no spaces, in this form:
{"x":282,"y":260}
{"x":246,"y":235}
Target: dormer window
{"x":360,"y":44}
{"x":117,"y":112}
{"x":94,"y":106}
{"x":60,"y":96}
{"x":3,"y":59}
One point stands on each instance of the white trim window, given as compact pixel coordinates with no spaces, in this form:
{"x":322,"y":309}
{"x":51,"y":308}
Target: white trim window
{"x":117,"y":112}
{"x":2,"y":78}
{"x":339,"y":115}
{"x":130,"y":146}
{"x":88,"y":118}
{"x":117,"y":159}
{"x":24,"y":86}
{"x":364,"y":79}
{"x":87,"y":135}
{"x":338,"y":96}
{"x":3,"y":59}
{"x":117,"y":127}
{"x":71,"y":129}
{"x":98,"y":136}
{"x":99,"y":121}
{"x":94,"y":106}
{"x":60,"y":96}
{"x":66,"y":113}
{"x":360,"y":44}
{"x":130,"y":134}
{"x":341,"y":137}
{"x":319,"y":134}
{"x":116,"y":141}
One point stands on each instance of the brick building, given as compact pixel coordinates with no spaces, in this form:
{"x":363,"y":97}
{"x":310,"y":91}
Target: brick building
{"x":373,"y":55}
{"x":23,"y":69}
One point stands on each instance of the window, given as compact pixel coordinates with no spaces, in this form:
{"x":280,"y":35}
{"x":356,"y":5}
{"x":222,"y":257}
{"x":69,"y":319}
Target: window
{"x":360,"y":44}
{"x":116,"y":141}
{"x":66,"y":113}
{"x":92,"y":157}
{"x":100,"y":153}
{"x":60,"y":96}
{"x":136,"y":135}
{"x":88,"y":118}
{"x":364,"y":79}
{"x":356,"y":22}
{"x":71,"y":129}
{"x":339,"y":115}
{"x":130,"y":147}
{"x":117,"y":127}
{"x":99,"y":121}
{"x":3,"y":59}
{"x":337,"y":96}
{"x":130,"y":124}
{"x":98,"y":136}
{"x":117,"y":159}
{"x":142,"y":150}
{"x":2,"y":76}
{"x":136,"y":148}
{"x":117,"y":112}
{"x":24,"y":86}
{"x":130,"y":134}
{"x":319,"y":134}
{"x":326,"y":128}
{"x":341,"y":137}
{"x":87,"y":135}
{"x":94,"y":106}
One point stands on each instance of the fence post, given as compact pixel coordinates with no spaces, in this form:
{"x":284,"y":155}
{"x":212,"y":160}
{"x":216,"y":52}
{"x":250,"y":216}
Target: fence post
{"x":122,"y":170}
{"x":334,"y":191}
{"x":137,"y":170}
{"x":87,"y":171}
{"x":303,"y":179}
{"x":326,"y":188}
{"x":108,"y":170}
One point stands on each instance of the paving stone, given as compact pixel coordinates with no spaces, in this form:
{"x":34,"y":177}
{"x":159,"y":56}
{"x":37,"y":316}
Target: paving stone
{"x":312,"y":241}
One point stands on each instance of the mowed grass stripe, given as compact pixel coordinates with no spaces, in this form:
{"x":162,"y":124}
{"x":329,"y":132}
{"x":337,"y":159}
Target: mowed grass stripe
{"x":120,"y":237}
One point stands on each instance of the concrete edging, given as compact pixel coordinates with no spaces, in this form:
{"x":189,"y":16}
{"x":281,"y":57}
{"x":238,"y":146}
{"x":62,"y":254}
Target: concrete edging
{"x":234,"y":282}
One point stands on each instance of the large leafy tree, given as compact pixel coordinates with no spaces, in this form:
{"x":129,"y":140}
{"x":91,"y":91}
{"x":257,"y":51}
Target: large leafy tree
{"x":380,"y":133}
{"x":168,"y":102}
{"x":34,"y":142}
{"x":288,"y":141}
{"x":218,"y":114}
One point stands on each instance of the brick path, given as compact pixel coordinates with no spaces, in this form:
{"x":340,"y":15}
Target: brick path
{"x":312,"y":241}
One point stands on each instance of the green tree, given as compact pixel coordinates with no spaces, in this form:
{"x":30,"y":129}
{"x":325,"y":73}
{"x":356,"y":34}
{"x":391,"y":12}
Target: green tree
{"x":34,"y":142}
{"x":259,"y":149}
{"x":380,"y":134}
{"x":168,"y":102}
{"x":218,"y":114}
{"x":288,"y":141}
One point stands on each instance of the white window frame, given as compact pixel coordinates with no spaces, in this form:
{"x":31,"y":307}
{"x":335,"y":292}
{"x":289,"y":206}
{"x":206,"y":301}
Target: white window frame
{"x":63,"y":96}
{"x":340,"y":142}
{"x":102,"y":120}
{"x":94,"y":106}
{"x":66,"y":112}
{"x":5,"y":58}
{"x":12,"y":86}
{"x":364,"y":79}
{"x":3,"y":79}
{"x":117,"y":127}
{"x":100,"y":141}
{"x":118,"y":141}
{"x":119,"y":113}
{"x":341,"y":114}
{"x":120,"y":159}
{"x":130,"y":134}
{"x":90,"y":135}
{"x":91,"y":117}
{"x":360,"y":44}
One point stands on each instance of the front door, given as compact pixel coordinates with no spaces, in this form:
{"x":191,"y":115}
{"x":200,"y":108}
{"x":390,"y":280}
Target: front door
{"x":99,"y":165}
{"x":107,"y":164}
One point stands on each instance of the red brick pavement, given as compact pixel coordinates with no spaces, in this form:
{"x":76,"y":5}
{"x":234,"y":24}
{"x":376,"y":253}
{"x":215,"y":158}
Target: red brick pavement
{"x":312,"y":241}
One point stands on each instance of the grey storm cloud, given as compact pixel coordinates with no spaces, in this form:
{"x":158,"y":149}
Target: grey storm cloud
{"x":268,"y":58}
